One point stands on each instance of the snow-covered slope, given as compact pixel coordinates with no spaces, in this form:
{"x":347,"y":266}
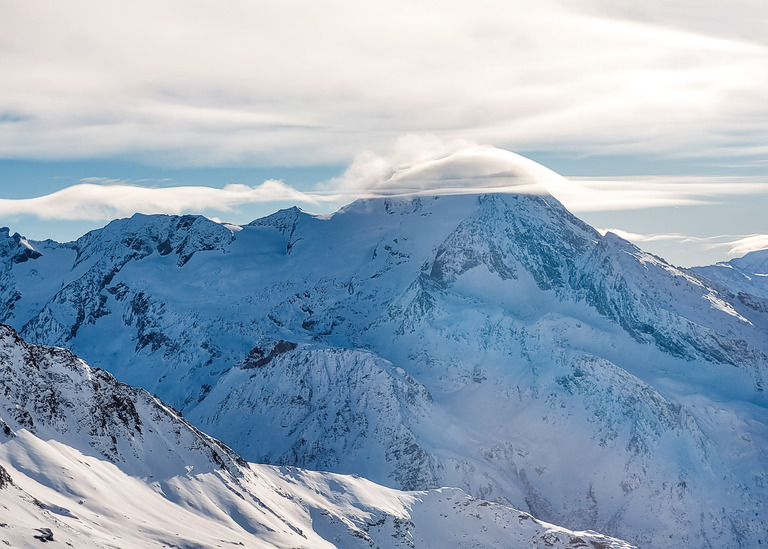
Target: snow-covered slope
{"x":365,"y":408}
{"x":494,"y":342}
{"x":747,"y":276}
{"x":86,"y":461}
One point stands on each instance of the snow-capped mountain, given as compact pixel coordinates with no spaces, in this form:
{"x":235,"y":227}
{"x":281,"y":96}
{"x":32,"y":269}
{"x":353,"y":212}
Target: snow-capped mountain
{"x":748,"y":276}
{"x":90,"y":462}
{"x":495,"y":343}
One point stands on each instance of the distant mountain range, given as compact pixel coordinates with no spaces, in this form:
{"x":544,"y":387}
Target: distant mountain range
{"x":493,"y":343}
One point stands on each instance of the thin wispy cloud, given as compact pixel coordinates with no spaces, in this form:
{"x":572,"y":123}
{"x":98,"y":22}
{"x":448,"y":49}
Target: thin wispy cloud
{"x":738,"y":245}
{"x":104,"y":181}
{"x":97,"y":202}
{"x":637,"y":237}
{"x":190,"y":83}
{"x":638,"y":192}
{"x":745,"y":244}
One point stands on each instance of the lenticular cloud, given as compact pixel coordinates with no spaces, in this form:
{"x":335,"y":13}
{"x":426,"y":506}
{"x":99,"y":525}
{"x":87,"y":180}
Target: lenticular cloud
{"x":87,"y":201}
{"x":425,"y":165}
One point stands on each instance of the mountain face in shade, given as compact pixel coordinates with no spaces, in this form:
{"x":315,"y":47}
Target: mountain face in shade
{"x":495,"y":343}
{"x":87,"y":461}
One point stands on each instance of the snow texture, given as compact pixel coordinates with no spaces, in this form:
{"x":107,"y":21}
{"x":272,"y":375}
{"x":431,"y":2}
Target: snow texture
{"x":89,"y":462}
{"x":495,"y":343}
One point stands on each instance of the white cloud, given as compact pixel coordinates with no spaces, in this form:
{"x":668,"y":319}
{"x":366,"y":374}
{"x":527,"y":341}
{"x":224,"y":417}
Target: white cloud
{"x":192,"y":82}
{"x":413,"y":164}
{"x":747,"y":244}
{"x":589,"y":194}
{"x":637,"y":237}
{"x":735,"y":19}
{"x":95,"y":202}
{"x":424,"y":164}
{"x":738,"y":245}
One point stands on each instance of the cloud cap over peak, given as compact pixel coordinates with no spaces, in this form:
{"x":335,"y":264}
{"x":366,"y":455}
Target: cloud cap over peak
{"x":423,"y":164}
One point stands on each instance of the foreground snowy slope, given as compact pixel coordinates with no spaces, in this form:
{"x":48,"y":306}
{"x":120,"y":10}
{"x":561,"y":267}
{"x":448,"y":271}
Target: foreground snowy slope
{"x":90,"y":462}
{"x":495,"y":343}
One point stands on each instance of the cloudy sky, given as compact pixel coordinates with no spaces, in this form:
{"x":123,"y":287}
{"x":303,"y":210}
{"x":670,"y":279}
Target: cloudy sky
{"x":657,"y":112}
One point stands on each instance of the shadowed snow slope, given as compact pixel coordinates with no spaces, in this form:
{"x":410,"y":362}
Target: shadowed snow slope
{"x":90,"y":462}
{"x":495,"y":343}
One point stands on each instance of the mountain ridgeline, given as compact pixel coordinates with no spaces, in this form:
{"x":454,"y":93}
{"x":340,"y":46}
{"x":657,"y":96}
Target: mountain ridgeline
{"x":495,"y":343}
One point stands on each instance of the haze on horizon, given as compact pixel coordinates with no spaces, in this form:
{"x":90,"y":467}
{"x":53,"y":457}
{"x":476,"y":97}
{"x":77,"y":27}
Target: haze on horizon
{"x":658,"y":114}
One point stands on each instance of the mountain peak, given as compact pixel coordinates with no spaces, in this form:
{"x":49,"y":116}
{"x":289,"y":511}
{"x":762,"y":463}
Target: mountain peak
{"x":283,"y":220}
{"x":16,"y":247}
{"x":52,"y":393}
{"x":754,"y":262}
{"x":141,"y":235}
{"x":509,"y":232}
{"x":747,"y":275}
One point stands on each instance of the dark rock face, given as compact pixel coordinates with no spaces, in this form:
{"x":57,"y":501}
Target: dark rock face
{"x":45,"y":534}
{"x":259,"y":357}
{"x":13,"y":251}
{"x":5,"y":478}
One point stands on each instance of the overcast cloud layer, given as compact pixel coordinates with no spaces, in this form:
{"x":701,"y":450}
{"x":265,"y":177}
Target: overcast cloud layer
{"x":193,"y":82}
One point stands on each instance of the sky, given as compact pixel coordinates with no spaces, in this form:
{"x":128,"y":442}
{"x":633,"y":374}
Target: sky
{"x":656,"y":113}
